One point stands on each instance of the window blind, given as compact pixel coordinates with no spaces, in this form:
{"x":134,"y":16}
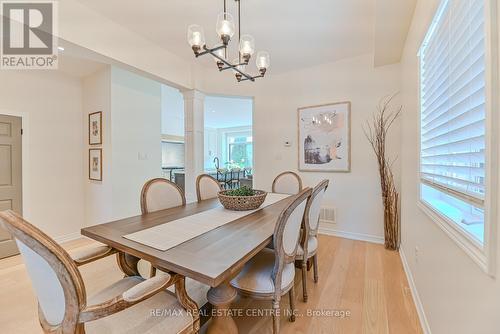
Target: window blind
{"x":453,"y":102}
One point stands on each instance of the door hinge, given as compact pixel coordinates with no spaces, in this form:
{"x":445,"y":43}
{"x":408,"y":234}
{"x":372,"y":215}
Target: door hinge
{"x":22,"y":132}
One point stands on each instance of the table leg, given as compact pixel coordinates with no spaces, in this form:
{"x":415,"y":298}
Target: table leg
{"x":221,"y":298}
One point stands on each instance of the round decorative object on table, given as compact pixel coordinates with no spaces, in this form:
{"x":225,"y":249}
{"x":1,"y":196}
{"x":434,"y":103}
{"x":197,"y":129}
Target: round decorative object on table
{"x":242,"y":203}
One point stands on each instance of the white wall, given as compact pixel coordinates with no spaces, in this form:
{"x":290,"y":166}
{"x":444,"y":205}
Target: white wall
{"x":98,"y":194}
{"x":131,"y":107}
{"x":53,"y":168}
{"x":172,"y":111}
{"x":136,"y":138}
{"x":356,"y":195}
{"x":457,"y":296}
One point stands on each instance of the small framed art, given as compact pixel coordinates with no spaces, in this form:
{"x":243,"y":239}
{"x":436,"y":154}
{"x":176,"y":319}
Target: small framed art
{"x":95,"y":164}
{"x":95,"y":128}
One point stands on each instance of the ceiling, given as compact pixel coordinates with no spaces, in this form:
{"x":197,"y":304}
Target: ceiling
{"x":297,"y":33}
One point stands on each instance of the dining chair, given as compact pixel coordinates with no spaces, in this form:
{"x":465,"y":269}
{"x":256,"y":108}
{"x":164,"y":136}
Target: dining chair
{"x":206,"y":187}
{"x":287,"y":183}
{"x":161,"y":194}
{"x":123,"y":307}
{"x":308,"y":246}
{"x":270,"y":274}
{"x":222,"y":177}
{"x":235,"y":178}
{"x":158,"y":194}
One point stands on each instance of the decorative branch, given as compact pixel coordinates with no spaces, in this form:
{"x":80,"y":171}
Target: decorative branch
{"x":376,"y":132}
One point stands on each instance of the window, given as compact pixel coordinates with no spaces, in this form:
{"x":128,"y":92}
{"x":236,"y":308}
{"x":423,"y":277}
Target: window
{"x":453,"y":178}
{"x":240,"y":150}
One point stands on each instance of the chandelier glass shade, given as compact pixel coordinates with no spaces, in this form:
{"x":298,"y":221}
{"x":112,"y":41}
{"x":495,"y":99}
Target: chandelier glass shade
{"x":226,"y":29}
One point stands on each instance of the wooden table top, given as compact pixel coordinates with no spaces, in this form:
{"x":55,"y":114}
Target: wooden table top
{"x":211,"y":258}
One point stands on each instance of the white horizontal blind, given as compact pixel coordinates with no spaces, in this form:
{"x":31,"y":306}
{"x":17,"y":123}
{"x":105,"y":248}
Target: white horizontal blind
{"x":453,"y":102}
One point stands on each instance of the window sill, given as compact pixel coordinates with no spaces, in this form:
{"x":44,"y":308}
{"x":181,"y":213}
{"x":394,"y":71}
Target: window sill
{"x":467,"y":243}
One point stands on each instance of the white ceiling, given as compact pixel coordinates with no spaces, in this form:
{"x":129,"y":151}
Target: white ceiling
{"x":227,"y":112}
{"x":297,"y":33}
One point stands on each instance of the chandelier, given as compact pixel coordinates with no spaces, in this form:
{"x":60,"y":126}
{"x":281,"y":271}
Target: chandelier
{"x":225,"y":28}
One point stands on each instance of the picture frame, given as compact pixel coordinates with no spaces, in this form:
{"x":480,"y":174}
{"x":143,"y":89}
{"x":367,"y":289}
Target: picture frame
{"x":95,"y":164}
{"x":95,"y":128}
{"x":324,"y":138}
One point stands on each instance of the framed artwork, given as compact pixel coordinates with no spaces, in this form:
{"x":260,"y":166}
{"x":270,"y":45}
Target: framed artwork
{"x":95,"y":128}
{"x":324,"y":138}
{"x":95,"y":164}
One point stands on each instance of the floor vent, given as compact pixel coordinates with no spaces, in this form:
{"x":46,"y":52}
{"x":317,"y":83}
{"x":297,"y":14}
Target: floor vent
{"x":327,"y":214}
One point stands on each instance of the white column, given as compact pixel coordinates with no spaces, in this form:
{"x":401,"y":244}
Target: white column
{"x":194,"y":124}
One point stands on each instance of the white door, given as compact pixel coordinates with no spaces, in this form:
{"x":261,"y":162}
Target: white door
{"x":10,"y":176}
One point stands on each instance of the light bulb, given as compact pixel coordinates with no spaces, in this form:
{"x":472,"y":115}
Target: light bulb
{"x":196,"y":37}
{"x":247,"y":47}
{"x":225,"y":27}
{"x":263,"y":61}
{"x":219,"y":53}
{"x":240,"y":67}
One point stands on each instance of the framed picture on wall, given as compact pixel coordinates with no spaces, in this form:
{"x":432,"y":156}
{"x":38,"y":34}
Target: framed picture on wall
{"x":324,"y":138}
{"x":95,"y":128}
{"x":95,"y":164}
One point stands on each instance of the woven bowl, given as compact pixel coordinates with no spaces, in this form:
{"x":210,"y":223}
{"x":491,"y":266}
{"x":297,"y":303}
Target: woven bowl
{"x":242,"y":203}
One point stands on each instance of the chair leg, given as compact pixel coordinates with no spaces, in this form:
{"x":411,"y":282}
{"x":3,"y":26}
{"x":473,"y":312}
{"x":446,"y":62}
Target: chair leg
{"x":304,"y":280}
{"x":291,"y":294}
{"x":315,"y":265}
{"x":276,"y":316}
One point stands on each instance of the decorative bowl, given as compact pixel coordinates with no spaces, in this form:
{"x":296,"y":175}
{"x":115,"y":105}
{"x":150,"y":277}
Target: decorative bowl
{"x":242,"y":203}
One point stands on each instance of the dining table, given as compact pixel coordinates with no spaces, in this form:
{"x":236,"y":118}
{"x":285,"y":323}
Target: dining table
{"x":212,"y":258}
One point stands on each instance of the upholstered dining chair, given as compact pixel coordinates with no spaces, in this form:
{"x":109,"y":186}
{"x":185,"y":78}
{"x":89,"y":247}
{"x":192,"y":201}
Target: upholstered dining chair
{"x":287,"y":183}
{"x":158,"y":194}
{"x":161,"y":194}
{"x":271,"y":273}
{"x":123,"y":307}
{"x":308,"y":246}
{"x":206,"y":187}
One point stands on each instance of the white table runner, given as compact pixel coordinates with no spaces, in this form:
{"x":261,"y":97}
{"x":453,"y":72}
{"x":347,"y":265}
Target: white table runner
{"x":171,"y":234}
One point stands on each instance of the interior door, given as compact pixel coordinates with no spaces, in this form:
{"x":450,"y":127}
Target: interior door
{"x":10,"y":176}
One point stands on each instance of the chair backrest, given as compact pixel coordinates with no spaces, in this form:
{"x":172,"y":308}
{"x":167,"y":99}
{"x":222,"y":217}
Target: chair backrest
{"x":206,"y":187}
{"x":287,"y":183}
{"x":55,"y":277}
{"x":286,"y":234}
{"x":313,"y":208}
{"x":235,"y":174}
{"x":160,"y":194}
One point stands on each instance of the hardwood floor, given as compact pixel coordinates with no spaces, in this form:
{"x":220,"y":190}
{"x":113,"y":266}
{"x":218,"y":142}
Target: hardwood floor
{"x":357,"y":277}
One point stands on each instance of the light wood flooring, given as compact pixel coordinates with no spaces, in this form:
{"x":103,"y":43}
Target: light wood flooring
{"x":355,"y":276}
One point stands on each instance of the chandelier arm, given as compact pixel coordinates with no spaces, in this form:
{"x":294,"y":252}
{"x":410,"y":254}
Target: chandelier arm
{"x":208,"y":50}
{"x":254,"y":77}
{"x":211,"y":51}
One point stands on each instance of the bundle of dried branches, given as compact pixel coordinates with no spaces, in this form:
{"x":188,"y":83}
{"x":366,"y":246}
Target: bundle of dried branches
{"x":376,"y":132}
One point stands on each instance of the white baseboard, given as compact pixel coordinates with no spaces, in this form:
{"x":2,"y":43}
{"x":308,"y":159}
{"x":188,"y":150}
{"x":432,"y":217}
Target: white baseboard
{"x":414,"y":293}
{"x":327,"y":229}
{"x":68,"y":237}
